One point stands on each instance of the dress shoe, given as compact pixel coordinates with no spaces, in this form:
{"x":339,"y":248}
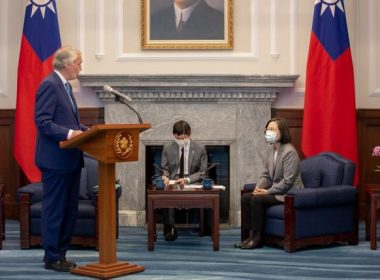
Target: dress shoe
{"x":171,"y":234}
{"x":58,"y":266}
{"x":70,"y":263}
{"x":245,"y":241}
{"x":252,"y":244}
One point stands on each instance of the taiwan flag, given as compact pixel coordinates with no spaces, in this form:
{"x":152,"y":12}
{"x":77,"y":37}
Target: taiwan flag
{"x":329,"y":122}
{"x":39,"y":41}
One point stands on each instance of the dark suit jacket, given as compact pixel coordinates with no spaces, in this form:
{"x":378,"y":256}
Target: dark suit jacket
{"x":205,"y":23}
{"x":54,"y":117}
{"x":284,"y":174}
{"x":197,"y":161}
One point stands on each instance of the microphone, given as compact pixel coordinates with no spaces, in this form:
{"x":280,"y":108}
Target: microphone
{"x":118,"y":94}
{"x":205,"y":172}
{"x":122,"y":98}
{"x":158,"y":168}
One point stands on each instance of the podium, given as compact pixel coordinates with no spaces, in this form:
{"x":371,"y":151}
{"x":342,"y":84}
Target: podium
{"x":109,"y":144}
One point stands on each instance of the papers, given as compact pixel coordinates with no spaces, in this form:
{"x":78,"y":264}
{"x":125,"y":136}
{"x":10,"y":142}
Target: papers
{"x":219,"y":187}
{"x":172,"y":182}
{"x":215,"y":187}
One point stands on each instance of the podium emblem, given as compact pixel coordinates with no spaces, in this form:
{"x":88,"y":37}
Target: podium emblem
{"x":123,"y":144}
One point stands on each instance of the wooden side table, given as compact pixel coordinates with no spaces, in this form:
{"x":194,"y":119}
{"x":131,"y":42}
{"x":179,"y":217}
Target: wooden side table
{"x":183,"y":199}
{"x":373,"y":205}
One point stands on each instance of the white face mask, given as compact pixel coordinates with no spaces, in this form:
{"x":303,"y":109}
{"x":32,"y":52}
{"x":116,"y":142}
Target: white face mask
{"x":271,"y":136}
{"x":182,"y":142}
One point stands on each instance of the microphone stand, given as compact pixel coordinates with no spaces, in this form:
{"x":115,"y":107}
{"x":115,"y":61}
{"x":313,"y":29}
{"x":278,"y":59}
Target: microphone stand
{"x":205,"y":172}
{"x":158,"y":168}
{"x":122,"y":101}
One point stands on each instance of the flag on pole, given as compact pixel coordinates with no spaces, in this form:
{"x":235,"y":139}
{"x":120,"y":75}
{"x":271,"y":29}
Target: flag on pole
{"x":329,"y":122}
{"x":39,"y":41}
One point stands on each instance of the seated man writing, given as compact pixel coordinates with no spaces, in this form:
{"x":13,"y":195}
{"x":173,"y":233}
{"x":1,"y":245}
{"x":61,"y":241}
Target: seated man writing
{"x":184,"y":161}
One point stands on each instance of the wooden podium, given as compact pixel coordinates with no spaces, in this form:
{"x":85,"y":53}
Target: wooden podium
{"x":108,"y":143}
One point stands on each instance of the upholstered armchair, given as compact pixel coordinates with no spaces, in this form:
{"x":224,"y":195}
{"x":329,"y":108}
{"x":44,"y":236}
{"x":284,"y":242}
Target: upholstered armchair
{"x":324,"y":212}
{"x":85,"y":232}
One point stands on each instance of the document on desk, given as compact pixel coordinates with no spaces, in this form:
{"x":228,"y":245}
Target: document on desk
{"x":215,"y":187}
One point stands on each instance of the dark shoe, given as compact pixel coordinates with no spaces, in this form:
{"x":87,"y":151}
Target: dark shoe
{"x":72,"y":264}
{"x":252,"y":244}
{"x":167,"y":229}
{"x":58,"y":266}
{"x":238,"y":245}
{"x":171,"y":234}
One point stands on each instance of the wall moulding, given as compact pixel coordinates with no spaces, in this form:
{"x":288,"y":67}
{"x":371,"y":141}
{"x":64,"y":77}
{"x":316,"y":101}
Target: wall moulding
{"x":4,"y":48}
{"x":374,"y":91}
{"x":201,"y":88}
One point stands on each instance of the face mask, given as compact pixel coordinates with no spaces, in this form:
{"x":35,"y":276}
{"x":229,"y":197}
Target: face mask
{"x":179,"y":142}
{"x":271,"y":136}
{"x":182,"y":142}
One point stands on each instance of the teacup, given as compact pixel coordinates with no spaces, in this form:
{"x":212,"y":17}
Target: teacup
{"x":207,"y":183}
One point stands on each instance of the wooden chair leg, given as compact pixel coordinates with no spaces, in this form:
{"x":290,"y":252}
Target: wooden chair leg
{"x":201,"y":222}
{"x":290,"y":223}
{"x":354,"y":240}
{"x":24,"y":221}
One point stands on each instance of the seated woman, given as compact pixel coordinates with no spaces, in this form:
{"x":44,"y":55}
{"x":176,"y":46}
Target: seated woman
{"x":281,"y":174}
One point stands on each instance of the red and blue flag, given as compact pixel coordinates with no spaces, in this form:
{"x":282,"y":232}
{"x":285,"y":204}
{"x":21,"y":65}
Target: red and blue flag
{"x":329,"y":122}
{"x":39,"y":41}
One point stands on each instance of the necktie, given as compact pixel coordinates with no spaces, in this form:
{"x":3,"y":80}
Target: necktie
{"x":181,"y":25}
{"x":182,"y":164}
{"x":69,"y":92}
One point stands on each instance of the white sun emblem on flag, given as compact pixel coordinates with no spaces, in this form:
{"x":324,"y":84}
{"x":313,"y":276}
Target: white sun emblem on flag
{"x":41,"y":4}
{"x":332,"y":4}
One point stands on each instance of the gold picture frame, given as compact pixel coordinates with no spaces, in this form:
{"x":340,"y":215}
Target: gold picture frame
{"x":207,"y":26}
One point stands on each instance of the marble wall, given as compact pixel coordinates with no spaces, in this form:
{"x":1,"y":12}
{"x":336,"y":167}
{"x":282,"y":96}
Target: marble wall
{"x":222,"y":110}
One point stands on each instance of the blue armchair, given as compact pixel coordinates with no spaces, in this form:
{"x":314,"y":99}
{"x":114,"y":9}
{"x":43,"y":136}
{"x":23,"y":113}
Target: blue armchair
{"x":324,"y":212}
{"x":85,"y":232}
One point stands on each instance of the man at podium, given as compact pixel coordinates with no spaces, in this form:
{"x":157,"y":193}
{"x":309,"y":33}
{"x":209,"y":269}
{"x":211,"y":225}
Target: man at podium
{"x":57,"y":119}
{"x":183,"y":161}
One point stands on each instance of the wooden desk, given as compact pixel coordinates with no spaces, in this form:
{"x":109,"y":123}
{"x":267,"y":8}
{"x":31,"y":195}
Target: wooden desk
{"x":373,"y":205}
{"x":183,"y":199}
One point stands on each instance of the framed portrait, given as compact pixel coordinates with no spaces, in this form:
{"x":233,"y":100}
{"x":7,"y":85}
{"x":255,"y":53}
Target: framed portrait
{"x":186,"y":24}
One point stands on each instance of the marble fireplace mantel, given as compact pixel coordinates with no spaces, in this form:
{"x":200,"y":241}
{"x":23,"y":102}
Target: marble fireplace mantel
{"x":215,"y":88}
{"x":221,"y":109}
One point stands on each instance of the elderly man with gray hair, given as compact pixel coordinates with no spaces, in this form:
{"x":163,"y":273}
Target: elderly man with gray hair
{"x":57,"y":119}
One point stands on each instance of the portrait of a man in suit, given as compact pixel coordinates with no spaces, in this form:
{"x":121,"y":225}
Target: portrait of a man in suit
{"x":187,"y":20}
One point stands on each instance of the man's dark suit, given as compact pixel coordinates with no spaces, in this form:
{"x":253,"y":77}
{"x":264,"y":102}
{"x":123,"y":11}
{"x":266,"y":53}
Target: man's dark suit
{"x":60,"y":168}
{"x":170,"y":161}
{"x":205,"y":23}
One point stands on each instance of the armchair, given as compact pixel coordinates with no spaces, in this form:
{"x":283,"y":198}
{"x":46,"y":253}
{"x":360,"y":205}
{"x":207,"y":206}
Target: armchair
{"x":324,"y":212}
{"x":86,"y":228}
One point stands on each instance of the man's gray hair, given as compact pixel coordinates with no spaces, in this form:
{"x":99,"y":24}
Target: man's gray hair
{"x":65,"y":55}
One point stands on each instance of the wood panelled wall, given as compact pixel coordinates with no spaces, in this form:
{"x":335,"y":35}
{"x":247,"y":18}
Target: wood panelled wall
{"x":13,"y":177}
{"x":368,"y":137}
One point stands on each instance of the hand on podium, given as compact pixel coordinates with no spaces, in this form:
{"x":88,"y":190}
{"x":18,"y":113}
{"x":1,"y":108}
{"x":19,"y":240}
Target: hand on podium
{"x":75,"y":133}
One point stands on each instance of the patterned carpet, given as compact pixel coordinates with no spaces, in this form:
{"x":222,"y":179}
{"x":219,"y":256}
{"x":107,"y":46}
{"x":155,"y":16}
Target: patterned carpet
{"x":192,"y":257}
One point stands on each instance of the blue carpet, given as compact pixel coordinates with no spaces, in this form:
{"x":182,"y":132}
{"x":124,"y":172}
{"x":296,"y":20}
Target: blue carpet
{"x":192,"y":257}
